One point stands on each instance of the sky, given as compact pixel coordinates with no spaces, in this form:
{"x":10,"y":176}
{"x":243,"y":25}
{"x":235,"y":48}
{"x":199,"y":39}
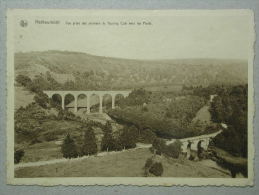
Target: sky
{"x":170,"y":36}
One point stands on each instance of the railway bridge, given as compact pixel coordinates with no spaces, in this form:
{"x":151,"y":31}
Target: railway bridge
{"x":88,"y":94}
{"x":193,"y":142}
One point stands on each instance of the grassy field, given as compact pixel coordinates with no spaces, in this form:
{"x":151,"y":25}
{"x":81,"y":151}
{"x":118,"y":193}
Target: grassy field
{"x":51,"y":137}
{"x":122,"y":164}
{"x":22,"y":97}
{"x":42,"y":151}
{"x":203,"y":115}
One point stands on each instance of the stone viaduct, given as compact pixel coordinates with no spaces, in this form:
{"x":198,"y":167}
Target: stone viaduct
{"x":204,"y":140}
{"x":88,"y":94}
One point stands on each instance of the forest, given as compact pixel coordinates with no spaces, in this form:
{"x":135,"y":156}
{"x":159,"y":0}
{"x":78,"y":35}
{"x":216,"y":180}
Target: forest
{"x":166,"y":115}
{"x":82,"y":71}
{"x":231,"y":107}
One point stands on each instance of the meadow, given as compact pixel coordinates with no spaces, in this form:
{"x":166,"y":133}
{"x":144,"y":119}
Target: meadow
{"x":129,"y":163}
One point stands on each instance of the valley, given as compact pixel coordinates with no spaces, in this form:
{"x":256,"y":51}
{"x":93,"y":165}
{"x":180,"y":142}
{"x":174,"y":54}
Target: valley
{"x":68,"y":108}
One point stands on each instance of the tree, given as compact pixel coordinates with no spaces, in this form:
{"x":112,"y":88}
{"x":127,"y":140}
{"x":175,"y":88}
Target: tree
{"x":159,"y":145}
{"x":28,"y":120}
{"x":174,"y":149}
{"x":137,"y":97}
{"x":18,"y":154}
{"x":147,"y":166}
{"x":230,"y":107}
{"x":128,"y":137}
{"x":156,"y":169}
{"x":68,"y":147}
{"x":147,"y":136}
{"x":23,"y":80}
{"x":89,"y":143}
{"x":108,"y":142}
{"x":42,"y":99}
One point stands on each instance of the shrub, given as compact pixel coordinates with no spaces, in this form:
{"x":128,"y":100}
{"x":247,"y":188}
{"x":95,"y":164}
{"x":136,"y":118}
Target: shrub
{"x":118,"y":145}
{"x":18,"y":154}
{"x":55,"y":102}
{"x":148,"y":163}
{"x":50,"y":137}
{"x":35,"y":140}
{"x":144,"y":109}
{"x":66,"y":115}
{"x":52,"y":117}
{"x":174,"y":149}
{"x":147,"y":166}
{"x":168,"y":114}
{"x":156,"y":169}
{"x":159,"y":145}
{"x":68,"y":148}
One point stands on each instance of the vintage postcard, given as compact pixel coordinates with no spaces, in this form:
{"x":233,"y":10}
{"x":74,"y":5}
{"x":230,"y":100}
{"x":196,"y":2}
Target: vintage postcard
{"x":133,"y":97}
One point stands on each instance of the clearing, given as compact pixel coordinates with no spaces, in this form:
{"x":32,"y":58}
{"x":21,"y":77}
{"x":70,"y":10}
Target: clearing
{"x":23,"y":97}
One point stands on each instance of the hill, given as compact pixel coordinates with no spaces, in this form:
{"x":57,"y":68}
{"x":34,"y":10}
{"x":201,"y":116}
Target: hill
{"x":99,"y":72}
{"x":23,"y":97}
{"x":117,"y":164}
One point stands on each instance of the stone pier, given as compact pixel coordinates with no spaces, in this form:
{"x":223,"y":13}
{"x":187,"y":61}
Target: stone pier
{"x":88,"y":94}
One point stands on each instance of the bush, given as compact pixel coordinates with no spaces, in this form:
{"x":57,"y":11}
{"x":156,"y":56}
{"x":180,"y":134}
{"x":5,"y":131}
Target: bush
{"x":35,"y":140}
{"x":147,"y":166}
{"x":174,"y":149}
{"x":156,"y":169}
{"x":50,"y":137}
{"x":118,"y":145}
{"x":145,"y":109}
{"x":18,"y":154}
{"x":159,"y":145}
{"x":66,"y":115}
{"x":68,"y":148}
{"x":148,"y":163}
{"x":52,"y":117}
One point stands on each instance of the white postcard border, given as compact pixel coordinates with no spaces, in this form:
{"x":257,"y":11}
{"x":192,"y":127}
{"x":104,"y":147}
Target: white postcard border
{"x":139,"y":181}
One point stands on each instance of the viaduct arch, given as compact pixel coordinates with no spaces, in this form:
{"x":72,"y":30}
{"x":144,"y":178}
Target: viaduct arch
{"x":88,"y":94}
{"x":193,"y":142}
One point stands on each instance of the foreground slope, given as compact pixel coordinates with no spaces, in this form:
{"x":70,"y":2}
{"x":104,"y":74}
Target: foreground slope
{"x":128,"y":163}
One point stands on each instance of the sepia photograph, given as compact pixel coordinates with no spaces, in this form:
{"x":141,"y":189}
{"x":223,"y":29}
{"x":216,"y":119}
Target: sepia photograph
{"x":136,"y":97}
